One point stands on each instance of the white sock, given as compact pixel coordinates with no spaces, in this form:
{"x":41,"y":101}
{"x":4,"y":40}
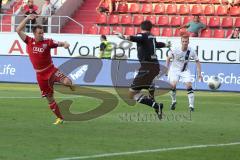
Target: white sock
{"x":191,"y":99}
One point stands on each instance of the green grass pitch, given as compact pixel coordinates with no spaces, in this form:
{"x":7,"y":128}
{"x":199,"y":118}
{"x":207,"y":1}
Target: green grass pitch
{"x":27,"y":132}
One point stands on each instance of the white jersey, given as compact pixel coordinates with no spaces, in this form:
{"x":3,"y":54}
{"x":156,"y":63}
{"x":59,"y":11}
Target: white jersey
{"x":178,"y":58}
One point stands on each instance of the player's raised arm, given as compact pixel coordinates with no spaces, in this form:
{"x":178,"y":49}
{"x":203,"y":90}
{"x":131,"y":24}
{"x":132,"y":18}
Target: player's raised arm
{"x":168,"y":64}
{"x":163,"y":45}
{"x":137,"y":38}
{"x":120,"y":35}
{"x":168,"y":60}
{"x":198,"y":64}
{"x":134,"y":38}
{"x":199,"y":70}
{"x":65,"y":44}
{"x":21,"y":26}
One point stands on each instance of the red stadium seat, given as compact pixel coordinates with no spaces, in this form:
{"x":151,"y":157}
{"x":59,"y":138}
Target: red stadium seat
{"x":126,"y":19}
{"x":234,"y":11}
{"x":129,"y":31}
{"x":117,"y":29}
{"x":206,"y":33}
{"x":178,"y":31}
{"x":229,"y":31}
{"x":122,"y":8}
{"x":227,"y":22}
{"x":203,"y":19}
{"x":167,"y":32}
{"x":146,"y":8}
{"x":163,"y":20}
{"x":137,"y":19}
{"x":93,"y":30}
{"x":176,"y":21}
{"x":101,"y":19}
{"x":214,"y":22}
{"x":159,"y":9}
{"x":184,"y":9}
{"x":156,"y":31}
{"x":187,"y":19}
{"x":139,"y":30}
{"x":237,"y":22}
{"x":134,"y":8}
{"x":209,"y":10}
{"x":171,"y":9}
{"x":105,"y":30}
{"x":197,"y":9}
{"x":222,"y":10}
{"x":219,"y":33}
{"x":151,"y":18}
{"x":113,"y":19}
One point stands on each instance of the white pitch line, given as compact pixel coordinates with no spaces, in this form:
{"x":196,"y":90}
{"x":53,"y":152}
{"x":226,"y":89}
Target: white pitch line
{"x":148,"y":151}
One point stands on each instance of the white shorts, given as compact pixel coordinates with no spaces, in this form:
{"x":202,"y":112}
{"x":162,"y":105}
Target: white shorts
{"x":176,"y":76}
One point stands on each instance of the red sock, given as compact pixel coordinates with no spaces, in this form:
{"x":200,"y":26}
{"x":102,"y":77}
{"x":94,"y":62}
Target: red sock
{"x":54,"y":107}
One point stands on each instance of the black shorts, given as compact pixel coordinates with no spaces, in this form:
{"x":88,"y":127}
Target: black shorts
{"x":146,"y":74}
{"x":103,"y":9}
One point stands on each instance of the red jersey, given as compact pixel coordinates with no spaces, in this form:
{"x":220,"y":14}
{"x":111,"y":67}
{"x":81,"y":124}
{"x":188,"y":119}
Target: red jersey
{"x":39,"y":52}
{"x":26,"y":8}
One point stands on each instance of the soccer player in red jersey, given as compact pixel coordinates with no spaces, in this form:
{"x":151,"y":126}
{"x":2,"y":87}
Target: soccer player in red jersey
{"x":38,"y":49}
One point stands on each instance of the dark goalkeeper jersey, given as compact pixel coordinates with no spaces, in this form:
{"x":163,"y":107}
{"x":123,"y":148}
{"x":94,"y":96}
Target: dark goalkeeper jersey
{"x":146,"y":46}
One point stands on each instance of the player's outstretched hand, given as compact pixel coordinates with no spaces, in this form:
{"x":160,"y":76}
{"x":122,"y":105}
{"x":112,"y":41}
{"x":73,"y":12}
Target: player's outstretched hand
{"x":168,"y":44}
{"x":66,"y":45}
{"x":120,"y":35}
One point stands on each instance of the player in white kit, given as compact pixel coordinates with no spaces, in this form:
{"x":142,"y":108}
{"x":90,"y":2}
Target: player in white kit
{"x":179,"y":69}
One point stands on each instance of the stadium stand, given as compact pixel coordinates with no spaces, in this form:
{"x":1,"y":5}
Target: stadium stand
{"x":166,"y":15}
{"x":207,"y":33}
{"x":184,"y":9}
{"x":137,"y":19}
{"x":167,"y":32}
{"x":8,"y":9}
{"x":129,"y":31}
{"x":126,"y":19}
{"x":219,"y":33}
{"x":13,"y":14}
{"x":237,"y":22}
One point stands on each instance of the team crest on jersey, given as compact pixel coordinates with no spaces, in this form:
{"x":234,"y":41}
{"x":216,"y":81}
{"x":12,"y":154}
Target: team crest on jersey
{"x":44,"y":46}
{"x":180,"y":57}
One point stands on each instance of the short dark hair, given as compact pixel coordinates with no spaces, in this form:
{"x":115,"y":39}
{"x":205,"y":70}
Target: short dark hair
{"x":146,"y":25}
{"x":104,"y":37}
{"x":35,"y":27}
